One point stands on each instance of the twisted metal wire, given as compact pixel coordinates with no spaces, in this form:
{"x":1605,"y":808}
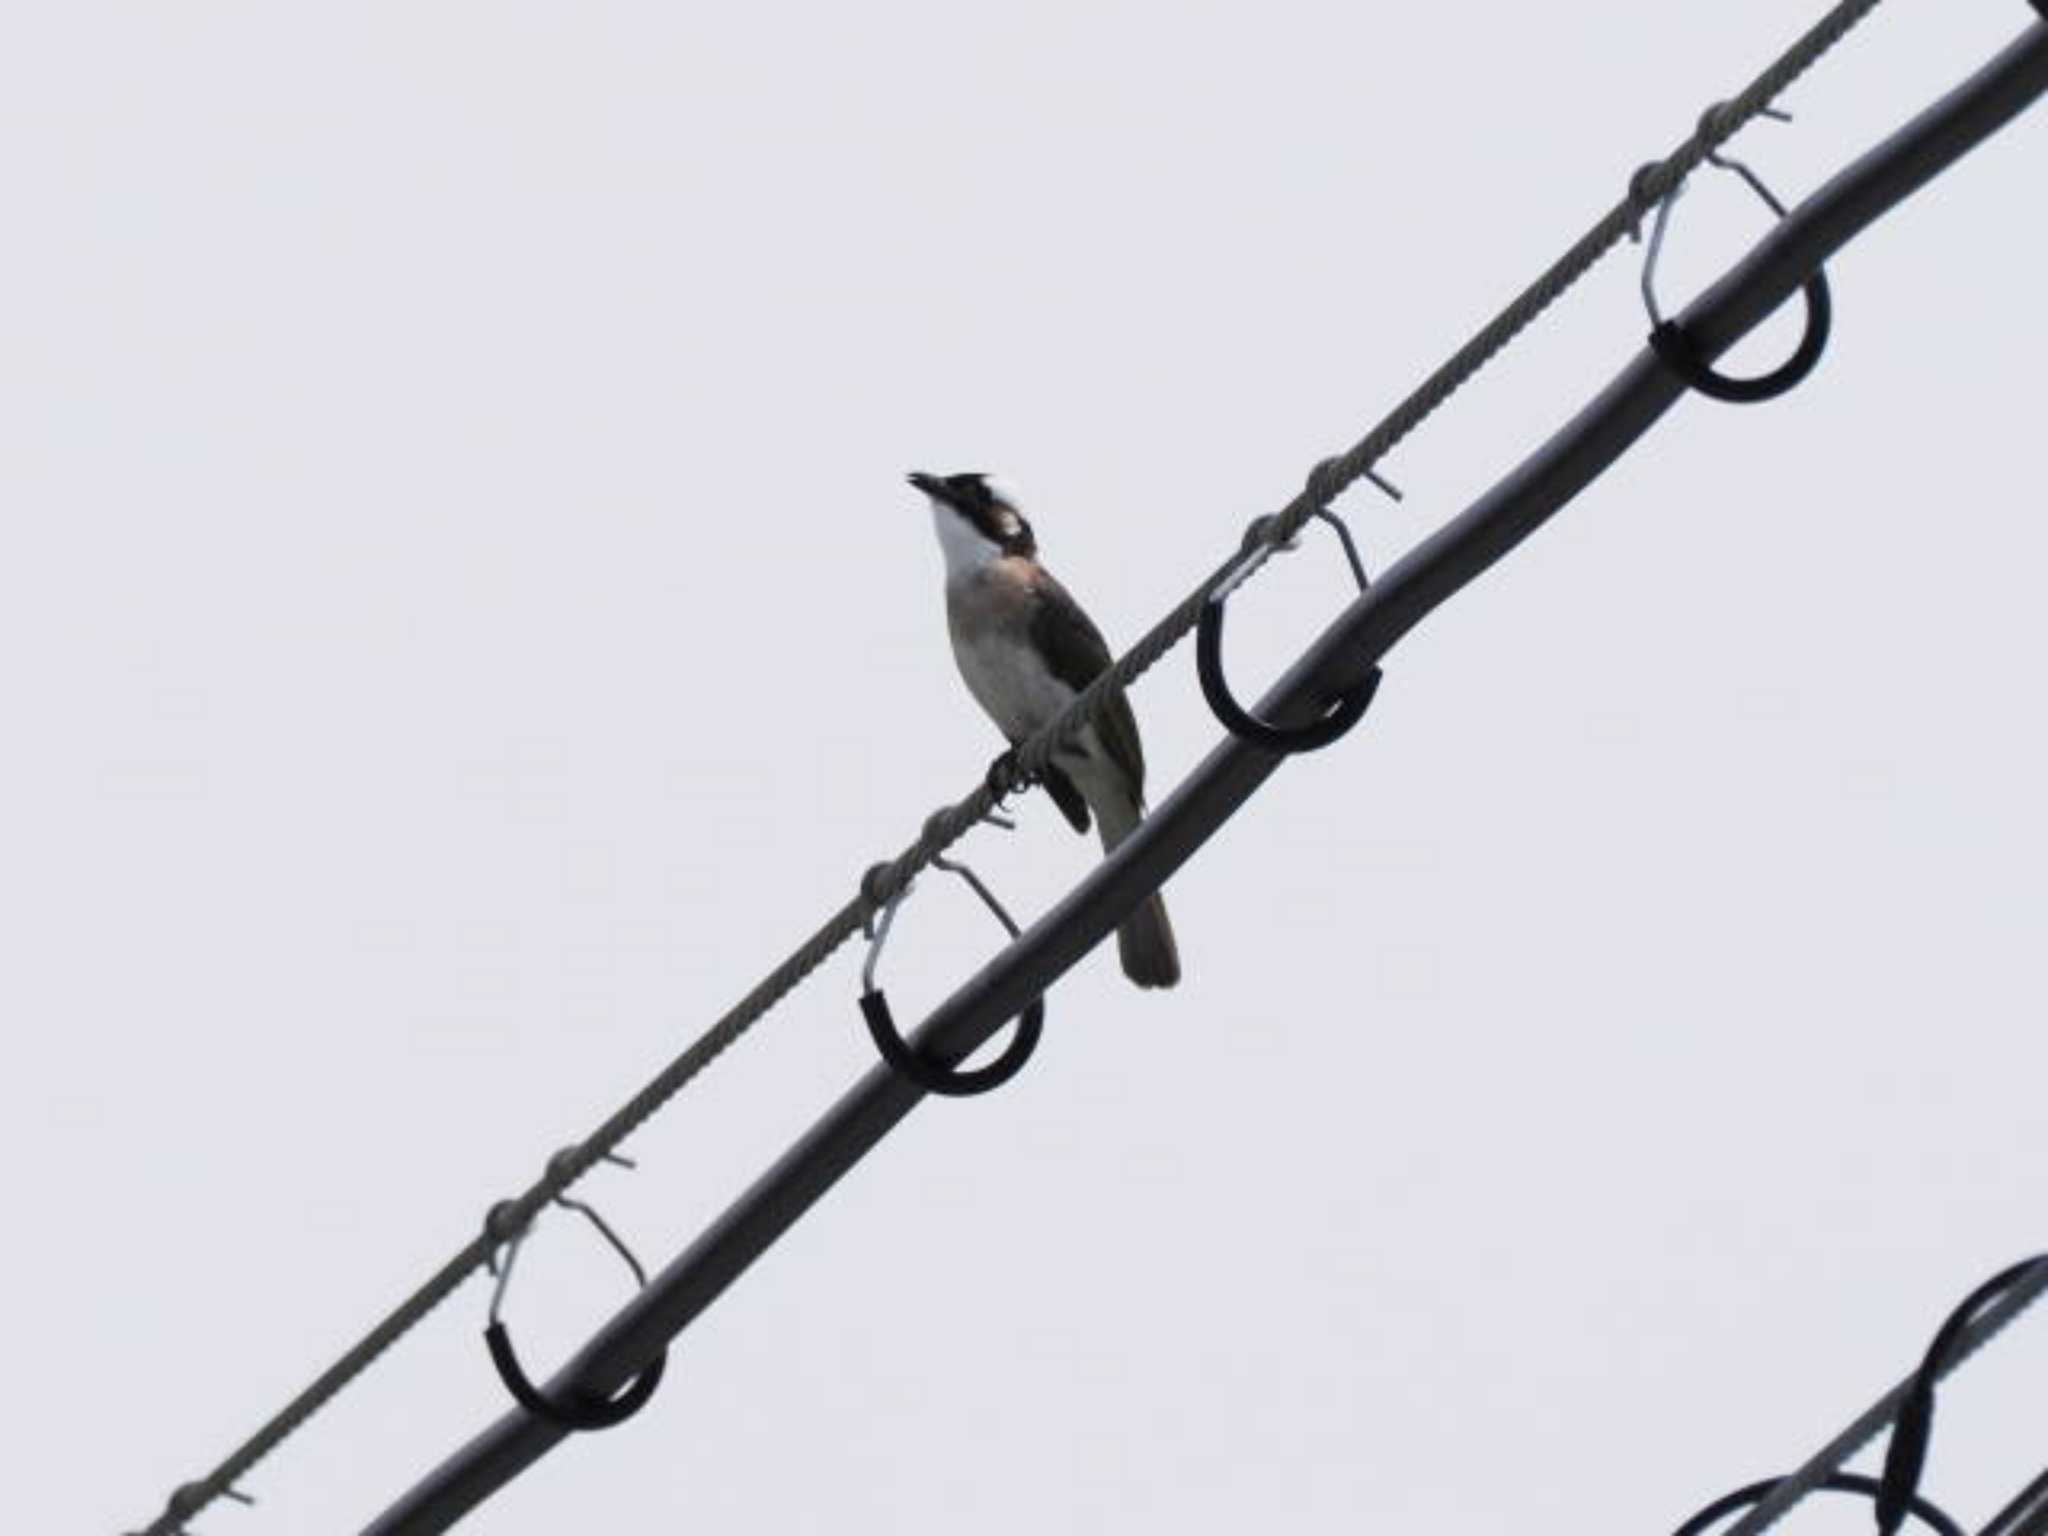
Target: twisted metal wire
{"x":1325,"y":483}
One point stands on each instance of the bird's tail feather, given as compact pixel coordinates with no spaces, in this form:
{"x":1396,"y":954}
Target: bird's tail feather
{"x":1145,"y":944}
{"x":1145,"y":941}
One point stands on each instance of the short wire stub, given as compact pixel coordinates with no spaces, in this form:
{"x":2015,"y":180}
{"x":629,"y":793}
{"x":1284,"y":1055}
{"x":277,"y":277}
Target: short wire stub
{"x":584,"y":1410}
{"x":1350,"y":706}
{"x":942,"y":1078}
{"x":1677,"y":348}
{"x":187,"y":1499}
{"x":1006,"y":776}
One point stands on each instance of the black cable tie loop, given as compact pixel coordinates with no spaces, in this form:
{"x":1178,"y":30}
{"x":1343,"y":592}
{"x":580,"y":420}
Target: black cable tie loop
{"x":584,"y":1410}
{"x":1676,"y":347}
{"x":1905,"y":1456}
{"x":1927,"y":1513}
{"x":938,"y":1077}
{"x":1350,"y":706}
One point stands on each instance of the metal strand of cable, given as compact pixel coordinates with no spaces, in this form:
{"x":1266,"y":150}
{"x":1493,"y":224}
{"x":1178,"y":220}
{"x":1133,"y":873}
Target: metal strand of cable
{"x":1325,"y":483}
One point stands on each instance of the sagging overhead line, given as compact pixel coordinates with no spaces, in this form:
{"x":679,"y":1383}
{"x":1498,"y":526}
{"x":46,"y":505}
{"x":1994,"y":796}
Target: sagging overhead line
{"x":1340,"y":660}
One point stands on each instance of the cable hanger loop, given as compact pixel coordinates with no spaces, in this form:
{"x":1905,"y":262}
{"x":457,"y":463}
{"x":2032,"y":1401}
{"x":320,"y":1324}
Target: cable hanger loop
{"x":1349,"y":707}
{"x":1905,"y":1456}
{"x":942,"y":1078}
{"x":1676,"y":347}
{"x":1922,"y":1510}
{"x":583,"y":1410}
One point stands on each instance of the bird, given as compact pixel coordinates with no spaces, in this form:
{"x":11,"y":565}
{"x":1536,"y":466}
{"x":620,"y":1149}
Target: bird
{"x":1026,"y":649}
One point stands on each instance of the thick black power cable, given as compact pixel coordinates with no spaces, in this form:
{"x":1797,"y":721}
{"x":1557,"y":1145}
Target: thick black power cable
{"x":1905,"y":1458}
{"x":1909,"y":1411}
{"x":1908,"y":1408}
{"x":1339,"y":660}
{"x":2027,"y":1514}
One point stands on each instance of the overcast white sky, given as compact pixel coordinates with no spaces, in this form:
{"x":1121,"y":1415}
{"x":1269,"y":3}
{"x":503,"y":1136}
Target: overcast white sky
{"x":463,"y":620}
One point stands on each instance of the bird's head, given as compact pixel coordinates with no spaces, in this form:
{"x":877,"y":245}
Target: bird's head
{"x":976,"y":521}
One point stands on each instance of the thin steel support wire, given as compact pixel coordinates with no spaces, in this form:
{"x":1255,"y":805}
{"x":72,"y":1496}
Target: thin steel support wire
{"x":1878,"y":1417}
{"x":1326,"y":482}
{"x":1339,"y":659}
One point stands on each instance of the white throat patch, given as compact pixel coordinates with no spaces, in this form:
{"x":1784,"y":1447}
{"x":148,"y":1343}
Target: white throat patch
{"x":966,"y":549}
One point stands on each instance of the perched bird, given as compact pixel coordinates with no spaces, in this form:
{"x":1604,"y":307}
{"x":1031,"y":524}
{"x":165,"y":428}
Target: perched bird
{"x":1026,"y":649}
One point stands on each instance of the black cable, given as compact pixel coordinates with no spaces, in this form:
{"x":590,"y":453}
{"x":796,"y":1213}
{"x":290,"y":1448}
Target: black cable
{"x":1340,"y":658}
{"x":2027,"y":1513}
{"x":1905,"y":1457}
{"x":1840,"y":1482}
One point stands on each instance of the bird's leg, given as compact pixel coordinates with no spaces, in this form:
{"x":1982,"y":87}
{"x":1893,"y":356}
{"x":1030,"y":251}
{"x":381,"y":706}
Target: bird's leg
{"x":1006,"y":776}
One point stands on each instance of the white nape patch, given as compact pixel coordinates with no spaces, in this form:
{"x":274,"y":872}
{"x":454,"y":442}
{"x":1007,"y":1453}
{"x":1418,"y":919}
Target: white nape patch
{"x":1003,"y":491}
{"x":965,"y":547}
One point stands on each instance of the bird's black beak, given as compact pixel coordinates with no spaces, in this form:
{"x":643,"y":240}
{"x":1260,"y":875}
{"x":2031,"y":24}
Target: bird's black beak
{"x":931,"y":485}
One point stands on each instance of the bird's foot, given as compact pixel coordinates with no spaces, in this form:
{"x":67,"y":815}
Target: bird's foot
{"x":1006,"y":776}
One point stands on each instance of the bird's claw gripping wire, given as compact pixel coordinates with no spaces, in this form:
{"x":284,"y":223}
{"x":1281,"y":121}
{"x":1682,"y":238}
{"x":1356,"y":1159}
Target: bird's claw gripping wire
{"x":1677,"y":348}
{"x":1006,"y":776}
{"x":1349,"y":707}
{"x":584,"y":1410}
{"x":943,"y":1078}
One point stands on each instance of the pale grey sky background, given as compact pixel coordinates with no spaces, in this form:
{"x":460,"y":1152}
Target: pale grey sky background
{"x":462,"y":621}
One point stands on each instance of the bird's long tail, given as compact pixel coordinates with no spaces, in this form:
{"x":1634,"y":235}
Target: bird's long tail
{"x":1145,"y":941}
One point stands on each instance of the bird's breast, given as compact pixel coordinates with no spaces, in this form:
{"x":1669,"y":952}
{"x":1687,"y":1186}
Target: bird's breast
{"x":989,"y":615}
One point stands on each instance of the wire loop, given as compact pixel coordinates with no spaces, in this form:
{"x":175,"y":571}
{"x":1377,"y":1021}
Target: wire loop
{"x":1840,"y":1482}
{"x":943,"y":1078}
{"x":584,"y":1410}
{"x":1677,"y":348}
{"x":1350,"y":706}
{"x":1905,"y":1456}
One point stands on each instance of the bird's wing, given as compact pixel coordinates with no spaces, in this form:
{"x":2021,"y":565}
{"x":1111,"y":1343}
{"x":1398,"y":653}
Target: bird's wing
{"x":1076,"y":653}
{"x":1067,"y":798}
